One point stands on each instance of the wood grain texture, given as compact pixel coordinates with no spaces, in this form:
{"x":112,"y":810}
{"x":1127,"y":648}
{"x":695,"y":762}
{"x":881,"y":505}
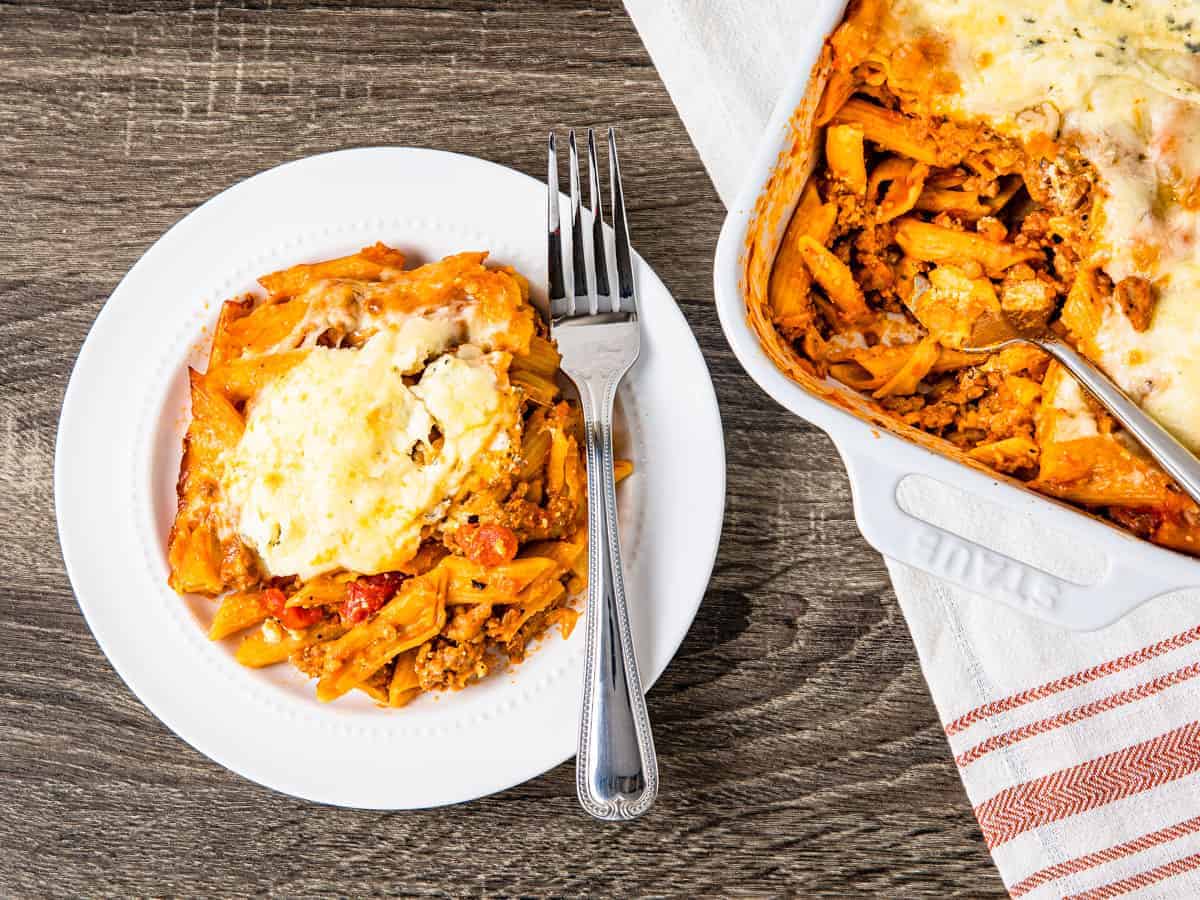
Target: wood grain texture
{"x":800,"y":752}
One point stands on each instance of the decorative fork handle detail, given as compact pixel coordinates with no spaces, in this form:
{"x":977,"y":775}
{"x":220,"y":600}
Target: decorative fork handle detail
{"x":616,"y":771}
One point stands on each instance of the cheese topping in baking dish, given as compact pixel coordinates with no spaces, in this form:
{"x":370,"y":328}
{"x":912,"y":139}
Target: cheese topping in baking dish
{"x":1122,"y":81}
{"x":345,"y":459}
{"x":1036,"y":161}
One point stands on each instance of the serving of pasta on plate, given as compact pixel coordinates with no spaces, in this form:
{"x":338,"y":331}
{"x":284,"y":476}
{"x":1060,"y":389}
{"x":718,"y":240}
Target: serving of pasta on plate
{"x":381,"y":481}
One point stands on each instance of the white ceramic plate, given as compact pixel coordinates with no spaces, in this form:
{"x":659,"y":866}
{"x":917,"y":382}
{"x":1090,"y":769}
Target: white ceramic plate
{"x":118,"y":456}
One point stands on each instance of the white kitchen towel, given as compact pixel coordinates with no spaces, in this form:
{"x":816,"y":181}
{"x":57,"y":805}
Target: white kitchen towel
{"x":1079,"y":752}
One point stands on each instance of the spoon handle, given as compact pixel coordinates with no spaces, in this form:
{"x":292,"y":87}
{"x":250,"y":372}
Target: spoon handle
{"x":1179,"y":462}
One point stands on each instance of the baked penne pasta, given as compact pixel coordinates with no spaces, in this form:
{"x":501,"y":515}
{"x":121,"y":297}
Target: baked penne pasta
{"x":978,"y":151}
{"x":381,"y":482}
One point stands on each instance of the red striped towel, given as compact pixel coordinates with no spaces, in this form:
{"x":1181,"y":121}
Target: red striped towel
{"x":1079,"y":752}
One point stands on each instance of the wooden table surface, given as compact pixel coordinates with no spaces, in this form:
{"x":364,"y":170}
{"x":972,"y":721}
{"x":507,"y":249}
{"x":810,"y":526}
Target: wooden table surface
{"x":799,"y":749}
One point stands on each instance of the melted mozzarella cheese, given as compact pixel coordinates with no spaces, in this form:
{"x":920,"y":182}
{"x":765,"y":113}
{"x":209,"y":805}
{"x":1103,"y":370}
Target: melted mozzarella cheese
{"x":348,"y":307}
{"x":340,"y":466}
{"x":1075,"y":418}
{"x":1124,"y":79}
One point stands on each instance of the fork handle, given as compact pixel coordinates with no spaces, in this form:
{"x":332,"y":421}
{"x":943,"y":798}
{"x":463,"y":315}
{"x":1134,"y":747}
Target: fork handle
{"x":616,"y":770}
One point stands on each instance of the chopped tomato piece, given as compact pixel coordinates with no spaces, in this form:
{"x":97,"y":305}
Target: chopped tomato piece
{"x":367,"y":595}
{"x":294,"y":617}
{"x":488,"y":545}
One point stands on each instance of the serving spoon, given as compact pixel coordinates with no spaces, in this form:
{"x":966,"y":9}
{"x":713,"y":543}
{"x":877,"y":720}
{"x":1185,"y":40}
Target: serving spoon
{"x":995,"y":332}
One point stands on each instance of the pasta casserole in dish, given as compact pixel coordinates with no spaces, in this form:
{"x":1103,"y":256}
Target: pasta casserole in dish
{"x":1030,"y":160}
{"x":380,"y":476}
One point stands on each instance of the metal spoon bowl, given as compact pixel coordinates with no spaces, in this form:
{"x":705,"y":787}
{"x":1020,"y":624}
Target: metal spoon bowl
{"x":1177,"y":460}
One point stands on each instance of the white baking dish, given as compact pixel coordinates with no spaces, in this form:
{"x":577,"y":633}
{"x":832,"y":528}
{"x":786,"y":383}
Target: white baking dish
{"x":876,"y":457}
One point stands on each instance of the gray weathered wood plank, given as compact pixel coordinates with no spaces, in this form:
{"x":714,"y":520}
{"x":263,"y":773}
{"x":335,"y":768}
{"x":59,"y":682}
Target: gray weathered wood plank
{"x":799,"y":749}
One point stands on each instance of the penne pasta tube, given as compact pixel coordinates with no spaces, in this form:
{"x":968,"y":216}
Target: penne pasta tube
{"x":533,"y":600}
{"x":837,"y":91}
{"x":322,"y":590}
{"x":265,"y":328}
{"x":966,"y":203}
{"x":243,"y":378}
{"x":470,"y":582}
{"x":224,"y":347}
{"x":405,"y":685}
{"x":889,"y":129}
{"x":415,"y":615}
{"x":366,"y":265}
{"x":543,"y":358}
{"x":237,"y":612}
{"x":902,"y":193}
{"x":537,"y":387}
{"x":789,"y":287}
{"x":833,"y":275}
{"x":919,"y":364}
{"x":845,"y":156}
{"x":274,"y":644}
{"x":936,"y":243}
{"x":535,"y":447}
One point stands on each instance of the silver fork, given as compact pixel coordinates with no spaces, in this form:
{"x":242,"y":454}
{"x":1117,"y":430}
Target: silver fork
{"x":616,"y":770}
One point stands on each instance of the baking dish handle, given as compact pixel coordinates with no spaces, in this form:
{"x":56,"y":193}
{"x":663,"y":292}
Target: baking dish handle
{"x":997,"y":576}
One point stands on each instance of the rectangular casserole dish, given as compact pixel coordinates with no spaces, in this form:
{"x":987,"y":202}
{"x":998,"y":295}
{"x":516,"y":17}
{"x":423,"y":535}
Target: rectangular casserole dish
{"x":879,"y":452}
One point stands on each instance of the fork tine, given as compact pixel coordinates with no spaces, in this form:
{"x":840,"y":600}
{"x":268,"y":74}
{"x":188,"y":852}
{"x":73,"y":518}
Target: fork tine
{"x":554,"y":260}
{"x":623,"y":252}
{"x":599,"y":251}
{"x":578,"y":257}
